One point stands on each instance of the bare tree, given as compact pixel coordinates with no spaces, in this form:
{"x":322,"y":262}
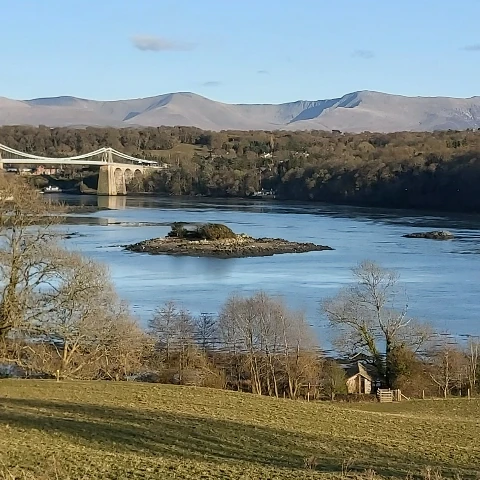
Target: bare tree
{"x":275,"y":342}
{"x":239,"y":326}
{"x":473,"y":360}
{"x":230,"y":345}
{"x":27,"y":252}
{"x":123,"y":349}
{"x":448,"y":368}
{"x":298,"y":358}
{"x":269,"y":314}
{"x":81,"y":318}
{"x":60,"y":308}
{"x":162,"y":327}
{"x":184,"y":344}
{"x":206,"y":331}
{"x":172,"y":328}
{"x":367,"y":321}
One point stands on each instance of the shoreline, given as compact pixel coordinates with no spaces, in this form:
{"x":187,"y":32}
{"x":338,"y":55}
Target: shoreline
{"x":418,"y":210}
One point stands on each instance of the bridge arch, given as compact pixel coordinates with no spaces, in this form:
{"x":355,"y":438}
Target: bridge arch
{"x":128,"y":175}
{"x":119,"y":177}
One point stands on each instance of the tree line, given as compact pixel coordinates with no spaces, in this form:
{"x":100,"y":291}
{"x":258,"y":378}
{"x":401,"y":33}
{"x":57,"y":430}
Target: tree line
{"x":60,"y":316}
{"x":433,"y":170}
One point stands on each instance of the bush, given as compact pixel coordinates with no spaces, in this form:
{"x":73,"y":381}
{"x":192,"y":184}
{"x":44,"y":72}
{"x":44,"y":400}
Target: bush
{"x":178,"y":230}
{"x":215,"y":231}
{"x":209,"y":231}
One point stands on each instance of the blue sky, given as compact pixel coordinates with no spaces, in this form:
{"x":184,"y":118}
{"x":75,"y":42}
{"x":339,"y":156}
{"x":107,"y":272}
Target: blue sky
{"x":250,"y":51}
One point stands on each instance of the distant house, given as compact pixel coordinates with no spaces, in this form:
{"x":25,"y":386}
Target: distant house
{"x":358,"y":379}
{"x":41,"y":170}
{"x":301,"y":154}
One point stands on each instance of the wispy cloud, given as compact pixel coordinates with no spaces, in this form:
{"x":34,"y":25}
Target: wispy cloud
{"x":263,"y":72}
{"x":211,"y":83}
{"x":365,"y":54}
{"x":472,"y":48}
{"x":152,"y":43}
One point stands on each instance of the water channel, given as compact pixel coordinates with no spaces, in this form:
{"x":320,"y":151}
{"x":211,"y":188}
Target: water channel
{"x":440,"y":278}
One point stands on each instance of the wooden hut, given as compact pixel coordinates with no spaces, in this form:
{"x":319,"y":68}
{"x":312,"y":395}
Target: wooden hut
{"x":358,"y":379}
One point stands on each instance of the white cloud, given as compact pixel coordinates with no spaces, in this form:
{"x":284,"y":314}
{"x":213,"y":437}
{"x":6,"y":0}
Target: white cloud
{"x":151,"y":43}
{"x":472,"y":48}
{"x":365,"y":54}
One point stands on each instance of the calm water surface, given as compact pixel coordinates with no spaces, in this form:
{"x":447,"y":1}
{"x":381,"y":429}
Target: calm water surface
{"x":441,"y":278}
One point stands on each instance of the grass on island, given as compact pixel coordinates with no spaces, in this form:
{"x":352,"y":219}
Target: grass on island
{"x":107,"y":430}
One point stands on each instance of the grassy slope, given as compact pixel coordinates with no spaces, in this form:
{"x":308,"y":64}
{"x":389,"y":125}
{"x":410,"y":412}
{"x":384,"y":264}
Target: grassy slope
{"x":128,"y":430}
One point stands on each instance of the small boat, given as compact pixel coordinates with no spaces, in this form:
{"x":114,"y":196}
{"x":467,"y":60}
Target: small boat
{"x":263,"y":194}
{"x":52,"y":189}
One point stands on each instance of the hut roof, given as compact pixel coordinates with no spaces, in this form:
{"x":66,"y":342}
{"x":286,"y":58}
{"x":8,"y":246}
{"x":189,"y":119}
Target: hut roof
{"x":357,"y":369}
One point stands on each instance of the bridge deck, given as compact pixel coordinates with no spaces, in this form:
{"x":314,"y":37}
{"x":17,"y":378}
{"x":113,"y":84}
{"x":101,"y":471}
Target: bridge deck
{"x":66,"y":161}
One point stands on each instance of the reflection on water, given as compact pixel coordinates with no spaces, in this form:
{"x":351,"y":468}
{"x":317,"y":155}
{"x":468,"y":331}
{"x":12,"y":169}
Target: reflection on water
{"x":441,"y":277}
{"x":114,"y":203}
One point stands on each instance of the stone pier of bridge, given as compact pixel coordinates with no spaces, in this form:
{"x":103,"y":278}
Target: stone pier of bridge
{"x":111,"y":181}
{"x":114,"y":178}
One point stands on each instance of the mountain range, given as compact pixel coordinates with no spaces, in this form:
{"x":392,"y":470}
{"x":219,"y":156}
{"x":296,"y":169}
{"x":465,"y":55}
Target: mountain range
{"x":354,"y":112}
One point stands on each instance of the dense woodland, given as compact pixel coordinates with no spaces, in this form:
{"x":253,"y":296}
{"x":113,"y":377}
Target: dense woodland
{"x":439,"y":170}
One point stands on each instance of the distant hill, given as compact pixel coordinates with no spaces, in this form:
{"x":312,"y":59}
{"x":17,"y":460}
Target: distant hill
{"x":354,"y":112}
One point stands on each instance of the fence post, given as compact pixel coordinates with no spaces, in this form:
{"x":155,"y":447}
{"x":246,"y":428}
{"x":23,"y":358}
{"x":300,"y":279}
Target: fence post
{"x":468,"y":394}
{"x":423,"y":394}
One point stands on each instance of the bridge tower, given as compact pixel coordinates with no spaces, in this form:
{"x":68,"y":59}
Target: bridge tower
{"x":111,"y":179}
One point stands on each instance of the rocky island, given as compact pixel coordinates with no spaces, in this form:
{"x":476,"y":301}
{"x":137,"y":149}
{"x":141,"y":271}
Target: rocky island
{"x":216,"y":240}
{"x":435,"y":235}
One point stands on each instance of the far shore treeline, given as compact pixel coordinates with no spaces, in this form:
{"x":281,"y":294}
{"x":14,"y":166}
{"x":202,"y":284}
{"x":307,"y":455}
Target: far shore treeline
{"x":423,"y":170}
{"x":60,"y":317}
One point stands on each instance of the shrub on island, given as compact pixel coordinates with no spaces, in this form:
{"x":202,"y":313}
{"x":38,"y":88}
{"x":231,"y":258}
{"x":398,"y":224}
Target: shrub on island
{"x":209,"y":231}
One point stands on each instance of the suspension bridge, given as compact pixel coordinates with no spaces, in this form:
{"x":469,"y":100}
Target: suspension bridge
{"x":117,"y":169}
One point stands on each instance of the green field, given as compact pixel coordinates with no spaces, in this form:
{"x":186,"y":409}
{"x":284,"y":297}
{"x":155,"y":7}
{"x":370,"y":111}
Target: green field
{"x":107,"y":430}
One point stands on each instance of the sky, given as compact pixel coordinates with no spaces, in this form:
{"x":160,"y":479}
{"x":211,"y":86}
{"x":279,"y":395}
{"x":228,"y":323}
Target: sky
{"x":250,"y":51}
